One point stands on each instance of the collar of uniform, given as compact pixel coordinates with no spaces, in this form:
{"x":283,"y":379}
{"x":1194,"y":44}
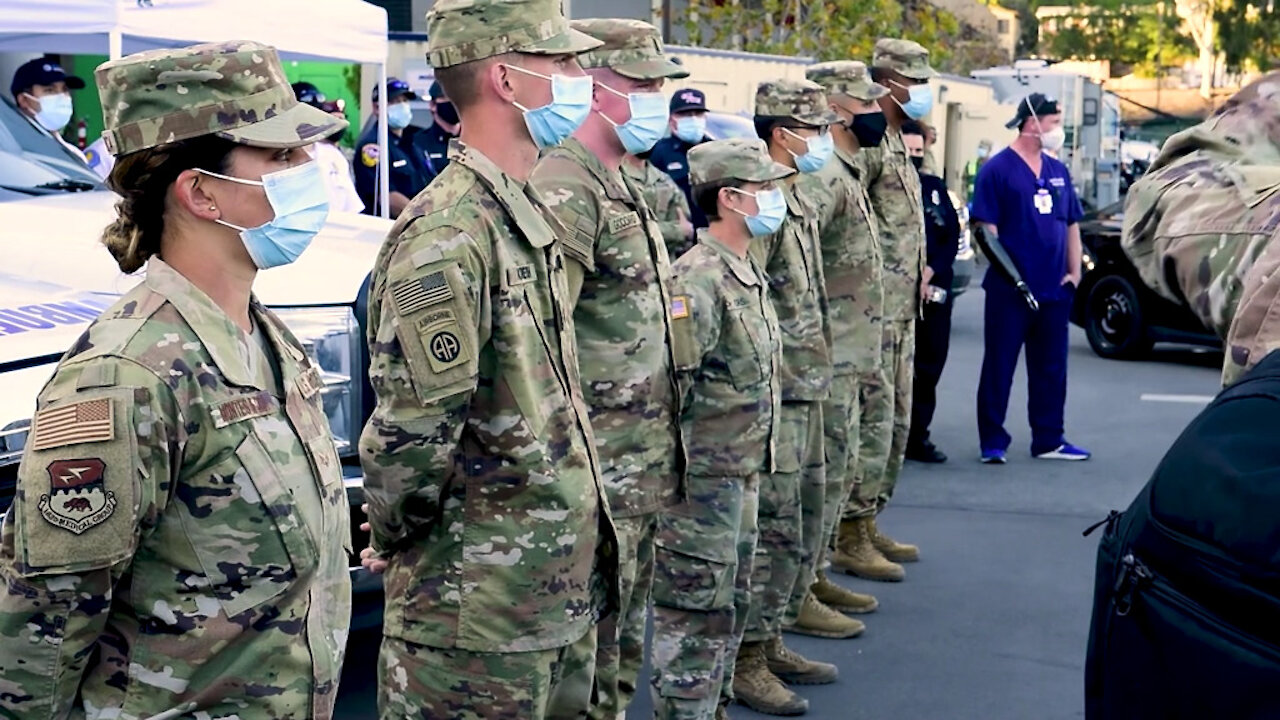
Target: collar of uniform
{"x":795,"y":205}
{"x":519,"y":199}
{"x":636,"y":172}
{"x":611,"y":181}
{"x":219,"y":335}
{"x":847,"y":158}
{"x":741,"y":266}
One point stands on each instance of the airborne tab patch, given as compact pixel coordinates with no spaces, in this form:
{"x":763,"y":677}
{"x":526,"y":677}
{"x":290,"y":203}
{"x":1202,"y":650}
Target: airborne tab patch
{"x":83,"y":422}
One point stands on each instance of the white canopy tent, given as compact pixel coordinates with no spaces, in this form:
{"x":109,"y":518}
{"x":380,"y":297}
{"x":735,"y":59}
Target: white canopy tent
{"x":334,"y":30}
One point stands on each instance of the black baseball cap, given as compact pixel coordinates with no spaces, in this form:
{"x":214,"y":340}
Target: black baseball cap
{"x":436,"y":92}
{"x":687,"y":99}
{"x":396,"y":88}
{"x":41,"y":71}
{"x":1034,"y":105}
{"x":308,"y":94}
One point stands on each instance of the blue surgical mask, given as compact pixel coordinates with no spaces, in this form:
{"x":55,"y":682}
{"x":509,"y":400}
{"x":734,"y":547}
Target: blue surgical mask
{"x":919,"y":101}
{"x":54,"y":112}
{"x":771,"y":210}
{"x":820,"y":149}
{"x":648,"y":121}
{"x":399,"y":116}
{"x":570,"y":104}
{"x":691,"y":128}
{"x":301,"y":206}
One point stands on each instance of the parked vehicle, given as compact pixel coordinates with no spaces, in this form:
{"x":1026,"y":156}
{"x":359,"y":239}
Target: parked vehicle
{"x":1120,"y":315}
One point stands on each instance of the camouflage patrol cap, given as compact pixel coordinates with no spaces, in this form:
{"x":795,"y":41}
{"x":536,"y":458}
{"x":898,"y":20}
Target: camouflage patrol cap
{"x":846,"y":77}
{"x":799,"y":100}
{"x":235,"y":90}
{"x":734,"y":159}
{"x":632,"y":48}
{"x":459,"y":31}
{"x":908,"y":58}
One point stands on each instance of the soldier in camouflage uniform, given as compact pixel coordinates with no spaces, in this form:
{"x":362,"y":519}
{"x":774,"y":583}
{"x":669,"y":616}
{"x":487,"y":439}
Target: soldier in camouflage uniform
{"x":618,"y":275}
{"x":178,"y":544}
{"x":902,"y":67}
{"x":792,"y":117}
{"x":1201,"y":225}
{"x":857,"y":410}
{"x":727,"y":354}
{"x":665,"y":199}
{"x":485,"y":497}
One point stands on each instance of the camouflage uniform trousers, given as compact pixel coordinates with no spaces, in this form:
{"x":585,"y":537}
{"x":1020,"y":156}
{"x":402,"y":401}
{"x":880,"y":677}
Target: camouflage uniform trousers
{"x":790,"y":523}
{"x":886,"y":422}
{"x":621,"y":641}
{"x":420,"y":681}
{"x":701,"y":593}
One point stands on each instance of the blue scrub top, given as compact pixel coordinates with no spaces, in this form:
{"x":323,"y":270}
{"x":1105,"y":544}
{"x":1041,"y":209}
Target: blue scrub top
{"x":1032,"y":215}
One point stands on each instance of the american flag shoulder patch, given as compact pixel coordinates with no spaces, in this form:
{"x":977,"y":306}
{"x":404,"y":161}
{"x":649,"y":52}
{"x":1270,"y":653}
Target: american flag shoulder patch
{"x":410,"y":296}
{"x":88,"y":421}
{"x":679,"y":307}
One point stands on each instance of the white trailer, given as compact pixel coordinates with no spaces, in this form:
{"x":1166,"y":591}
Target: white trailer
{"x":1091,"y":118}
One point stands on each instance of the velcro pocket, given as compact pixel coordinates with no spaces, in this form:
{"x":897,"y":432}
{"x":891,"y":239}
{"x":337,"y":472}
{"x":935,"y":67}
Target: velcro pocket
{"x":684,"y":342}
{"x":742,"y":358}
{"x":436,"y":332}
{"x":696,"y":571}
{"x":79,"y":484}
{"x":244,"y":528}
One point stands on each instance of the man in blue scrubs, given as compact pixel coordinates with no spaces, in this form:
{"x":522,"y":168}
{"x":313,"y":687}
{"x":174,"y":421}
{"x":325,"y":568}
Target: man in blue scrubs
{"x":1024,"y":198}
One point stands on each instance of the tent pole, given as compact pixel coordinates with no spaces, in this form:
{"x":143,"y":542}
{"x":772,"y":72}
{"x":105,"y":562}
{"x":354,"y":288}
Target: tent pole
{"x":384,"y":156}
{"x":115,"y":44}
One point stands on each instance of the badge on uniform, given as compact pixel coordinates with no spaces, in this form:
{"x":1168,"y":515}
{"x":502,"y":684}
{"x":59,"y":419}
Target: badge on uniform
{"x":78,"y":497}
{"x":1043,"y":201}
{"x":936,"y":198}
{"x":369,"y":155}
{"x":679,"y":307}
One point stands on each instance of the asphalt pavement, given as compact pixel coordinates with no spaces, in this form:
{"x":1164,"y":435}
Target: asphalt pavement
{"x":991,"y":623}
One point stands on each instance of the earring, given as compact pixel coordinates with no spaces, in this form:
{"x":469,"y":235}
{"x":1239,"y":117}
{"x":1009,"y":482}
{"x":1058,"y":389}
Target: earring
{"x":212,"y":207}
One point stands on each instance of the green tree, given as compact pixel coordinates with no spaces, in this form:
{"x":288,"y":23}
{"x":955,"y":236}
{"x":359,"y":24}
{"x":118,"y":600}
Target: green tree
{"x":828,"y":29}
{"x":1249,"y":33}
{"x":1144,"y":34}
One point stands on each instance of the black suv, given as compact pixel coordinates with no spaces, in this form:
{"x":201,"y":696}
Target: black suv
{"x":1121,"y":316}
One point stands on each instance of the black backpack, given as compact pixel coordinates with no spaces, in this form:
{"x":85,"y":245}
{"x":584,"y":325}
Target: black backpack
{"x":1186,"y":612}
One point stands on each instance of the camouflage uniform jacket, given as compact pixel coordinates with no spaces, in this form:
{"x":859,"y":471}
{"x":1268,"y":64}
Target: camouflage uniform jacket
{"x":1203,"y":225}
{"x":618,"y":263}
{"x":180,"y":536}
{"x":728,"y":352}
{"x":667,"y":201}
{"x":852,"y":266}
{"x":479,"y":460}
{"x":792,"y":262}
{"x":897,"y":199}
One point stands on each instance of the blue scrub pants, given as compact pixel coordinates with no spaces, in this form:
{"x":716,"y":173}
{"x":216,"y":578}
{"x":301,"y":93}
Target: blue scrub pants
{"x":1009,"y":325}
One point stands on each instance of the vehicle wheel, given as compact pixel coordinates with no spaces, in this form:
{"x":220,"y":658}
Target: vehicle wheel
{"x":1113,"y":320}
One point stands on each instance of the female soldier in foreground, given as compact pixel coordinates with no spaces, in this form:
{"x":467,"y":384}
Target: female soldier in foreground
{"x":173,"y":546}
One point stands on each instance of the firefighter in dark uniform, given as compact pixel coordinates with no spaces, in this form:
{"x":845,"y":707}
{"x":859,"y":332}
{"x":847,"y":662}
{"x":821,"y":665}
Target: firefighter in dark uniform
{"x":671,"y":154}
{"x":409,"y":172}
{"x":433,"y":141}
{"x":933,"y":328}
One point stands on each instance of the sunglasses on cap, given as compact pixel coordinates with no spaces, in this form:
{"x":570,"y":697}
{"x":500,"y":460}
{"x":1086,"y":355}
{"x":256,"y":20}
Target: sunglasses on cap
{"x":311,"y":97}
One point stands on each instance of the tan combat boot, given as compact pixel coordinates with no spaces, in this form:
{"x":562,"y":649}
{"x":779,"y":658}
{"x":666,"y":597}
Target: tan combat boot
{"x":795,"y":669}
{"x":842,"y":599}
{"x":819,"y":620}
{"x":892,"y":549}
{"x":857,"y":556}
{"x":761,"y":690}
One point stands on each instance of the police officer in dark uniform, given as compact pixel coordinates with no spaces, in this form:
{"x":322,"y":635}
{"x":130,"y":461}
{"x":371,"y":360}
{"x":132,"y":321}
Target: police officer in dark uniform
{"x":433,"y":141}
{"x":933,"y":328}
{"x":671,"y":154}
{"x":409,"y":172}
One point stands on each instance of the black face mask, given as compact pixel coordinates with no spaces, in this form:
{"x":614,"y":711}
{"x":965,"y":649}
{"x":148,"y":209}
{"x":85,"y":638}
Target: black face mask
{"x":447,"y":113}
{"x":869,"y":128}
{"x":918,"y":161}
